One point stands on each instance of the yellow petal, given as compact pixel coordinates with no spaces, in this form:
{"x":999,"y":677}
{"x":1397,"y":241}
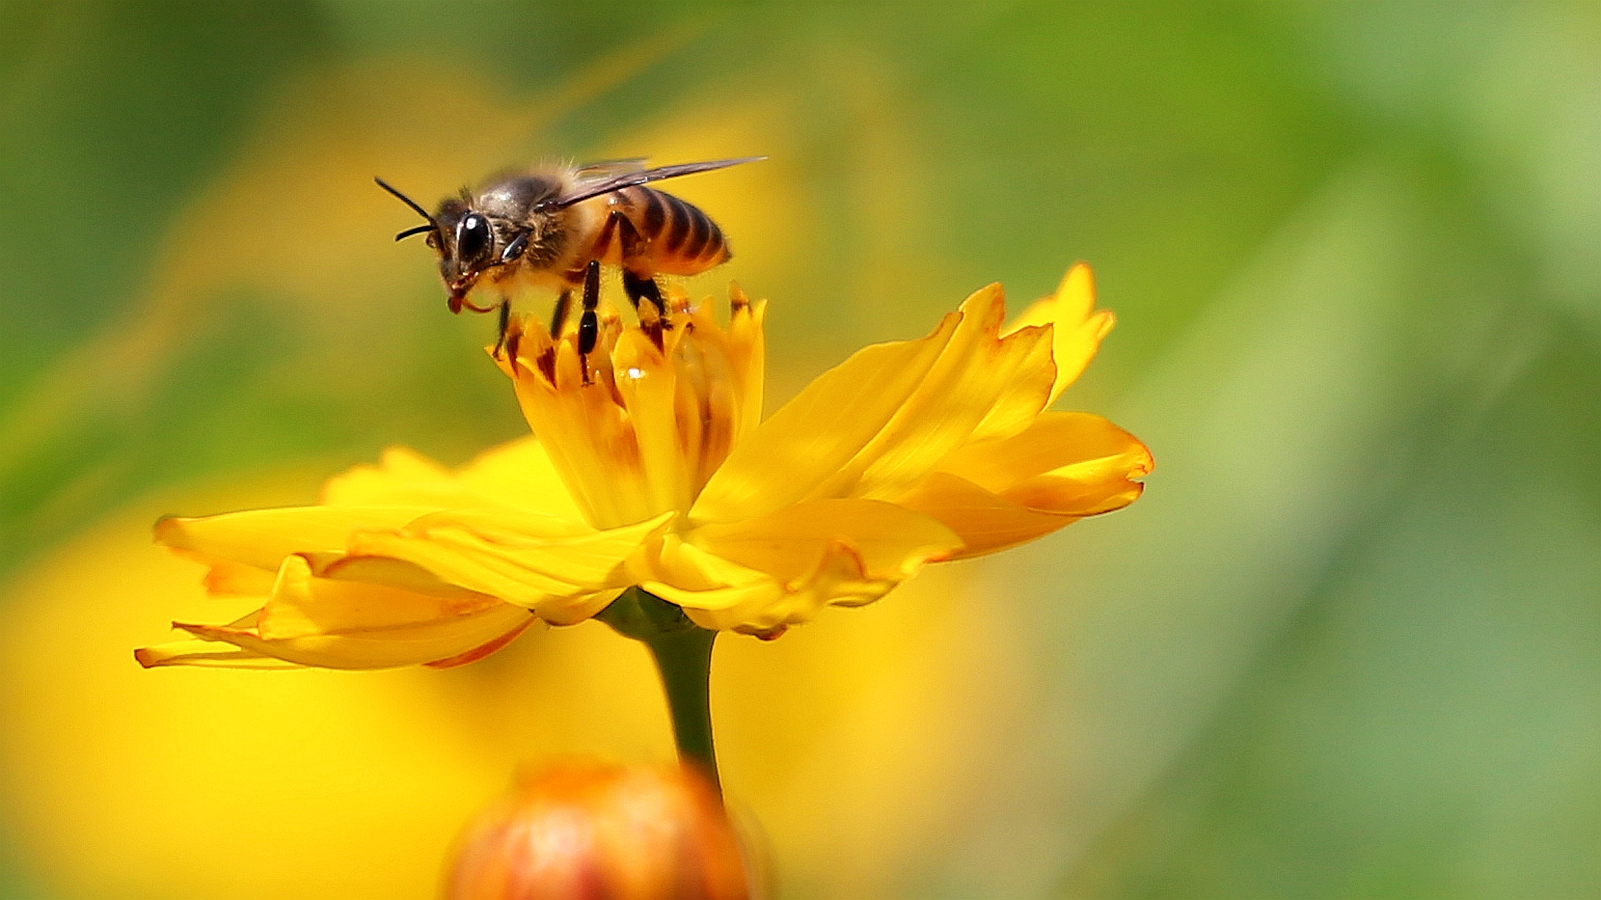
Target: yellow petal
{"x":1025,"y":392}
{"x":302,"y":605}
{"x":1078,"y":327}
{"x":245,"y":549}
{"x":520,"y":475}
{"x":262,"y":538}
{"x":709,"y":401}
{"x":763,"y":605}
{"x":877,"y":437}
{"x":212,"y":654}
{"x":1070,"y":445}
{"x":586,"y":433}
{"x":648,"y":387}
{"x":780,"y":569}
{"x":226,"y":578}
{"x":672,"y":560}
{"x":813,"y":436}
{"x":312,"y":621}
{"x":985,"y":521}
{"x":564,"y":577}
{"x":1000,"y":493}
{"x":383,"y":571}
{"x":747,"y":342}
{"x":516,"y":474}
{"x":402,"y":477}
{"x":482,"y":650}
{"x":787,"y":544}
{"x":973,"y":374}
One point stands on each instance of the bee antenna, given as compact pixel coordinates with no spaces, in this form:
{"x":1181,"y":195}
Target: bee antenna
{"x":420,"y":229}
{"x":432,"y":225}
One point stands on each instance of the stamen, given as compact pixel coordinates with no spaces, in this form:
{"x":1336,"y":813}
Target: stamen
{"x":649,"y":413}
{"x":650,"y":322}
{"x":547,"y":364}
{"x":678,"y":301}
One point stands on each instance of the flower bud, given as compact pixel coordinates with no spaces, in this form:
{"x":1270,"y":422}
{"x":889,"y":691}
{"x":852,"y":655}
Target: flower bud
{"x":598,"y":831}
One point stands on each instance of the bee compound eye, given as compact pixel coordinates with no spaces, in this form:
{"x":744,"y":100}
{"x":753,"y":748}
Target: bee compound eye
{"x":473,"y":238}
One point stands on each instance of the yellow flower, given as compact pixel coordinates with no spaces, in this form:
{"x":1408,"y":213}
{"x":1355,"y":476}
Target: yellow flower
{"x":654,"y":468}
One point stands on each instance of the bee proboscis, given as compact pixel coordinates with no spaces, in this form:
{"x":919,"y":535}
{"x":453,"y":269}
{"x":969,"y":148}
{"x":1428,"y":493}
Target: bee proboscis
{"x":555,"y":226}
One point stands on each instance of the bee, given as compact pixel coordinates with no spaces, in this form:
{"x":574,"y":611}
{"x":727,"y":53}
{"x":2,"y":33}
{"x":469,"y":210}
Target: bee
{"x":553,"y":227}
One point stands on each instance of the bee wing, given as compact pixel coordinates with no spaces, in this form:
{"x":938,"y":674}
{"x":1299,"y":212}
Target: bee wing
{"x":605,"y":185}
{"x":611,"y":168}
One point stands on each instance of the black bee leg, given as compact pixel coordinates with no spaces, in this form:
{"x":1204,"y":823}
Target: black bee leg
{"x":505,"y":320}
{"x":637,"y":281}
{"x":589,"y":322}
{"x":643,"y":287}
{"x":558,"y":319}
{"x":640,"y":287}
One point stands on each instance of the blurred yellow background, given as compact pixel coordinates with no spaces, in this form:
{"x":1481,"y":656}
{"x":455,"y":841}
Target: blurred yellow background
{"x":1345,"y":646}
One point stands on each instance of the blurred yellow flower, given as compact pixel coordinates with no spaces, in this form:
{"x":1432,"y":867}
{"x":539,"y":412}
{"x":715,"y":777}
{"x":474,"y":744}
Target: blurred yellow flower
{"x":654,"y":468}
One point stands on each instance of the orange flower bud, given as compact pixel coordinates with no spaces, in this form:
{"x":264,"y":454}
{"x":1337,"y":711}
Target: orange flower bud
{"x":598,"y":831}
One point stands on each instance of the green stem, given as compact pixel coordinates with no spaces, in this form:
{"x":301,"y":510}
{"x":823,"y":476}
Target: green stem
{"x":683,"y":654}
{"x":685,"y":664}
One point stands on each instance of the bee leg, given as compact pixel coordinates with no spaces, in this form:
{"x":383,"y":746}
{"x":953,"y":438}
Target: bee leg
{"x":638,"y":283}
{"x":505,"y":320}
{"x":643,"y":287}
{"x":589,"y":322}
{"x":637,"y":280}
{"x":558,"y":319}
{"x":640,"y":287}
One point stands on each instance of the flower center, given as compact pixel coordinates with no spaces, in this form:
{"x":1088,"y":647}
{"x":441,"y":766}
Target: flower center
{"x":658,"y":411}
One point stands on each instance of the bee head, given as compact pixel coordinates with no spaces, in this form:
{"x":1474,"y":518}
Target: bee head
{"x":466,"y":242}
{"x":465,"y":239}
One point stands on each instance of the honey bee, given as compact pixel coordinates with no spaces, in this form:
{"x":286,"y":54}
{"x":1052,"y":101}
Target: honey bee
{"x":554,"y":227}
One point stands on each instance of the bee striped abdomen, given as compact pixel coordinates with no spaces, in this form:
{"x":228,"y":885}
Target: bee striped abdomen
{"x":682,"y":240}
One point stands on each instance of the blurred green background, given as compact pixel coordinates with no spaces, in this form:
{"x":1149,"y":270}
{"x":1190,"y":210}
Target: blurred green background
{"x":1345,"y":646}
